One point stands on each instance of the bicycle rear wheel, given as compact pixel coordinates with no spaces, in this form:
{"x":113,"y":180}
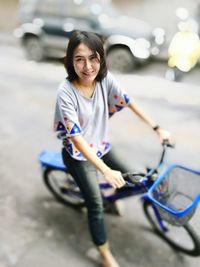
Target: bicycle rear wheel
{"x":184,"y":239}
{"x":63,"y":187}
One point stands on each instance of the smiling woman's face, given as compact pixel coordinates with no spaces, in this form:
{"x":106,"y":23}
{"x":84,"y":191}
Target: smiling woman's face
{"x":86,"y":63}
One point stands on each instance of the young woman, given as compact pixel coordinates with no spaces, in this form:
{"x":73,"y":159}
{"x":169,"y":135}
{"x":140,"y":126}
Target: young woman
{"x":86,"y":99}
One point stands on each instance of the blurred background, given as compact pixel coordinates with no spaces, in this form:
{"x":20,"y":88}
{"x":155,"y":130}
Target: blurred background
{"x":165,"y":11}
{"x":133,"y":36}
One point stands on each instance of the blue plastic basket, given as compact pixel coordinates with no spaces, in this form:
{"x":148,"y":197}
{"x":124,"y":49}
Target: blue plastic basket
{"x":176,"y":194}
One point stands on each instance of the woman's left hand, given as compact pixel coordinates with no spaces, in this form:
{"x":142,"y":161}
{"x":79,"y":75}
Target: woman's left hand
{"x":163,"y":135}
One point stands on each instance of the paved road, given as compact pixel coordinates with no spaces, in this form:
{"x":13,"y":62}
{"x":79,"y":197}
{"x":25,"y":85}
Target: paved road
{"x":37,"y":231}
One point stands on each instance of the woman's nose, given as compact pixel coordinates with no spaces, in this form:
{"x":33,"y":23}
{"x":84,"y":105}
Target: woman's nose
{"x":87,"y":64}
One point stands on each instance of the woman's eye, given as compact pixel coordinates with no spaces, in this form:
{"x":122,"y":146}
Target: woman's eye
{"x":94,"y":58}
{"x":78,"y":60}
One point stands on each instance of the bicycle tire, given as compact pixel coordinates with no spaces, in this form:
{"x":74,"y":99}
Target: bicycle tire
{"x":63,"y":187}
{"x":192,"y":249}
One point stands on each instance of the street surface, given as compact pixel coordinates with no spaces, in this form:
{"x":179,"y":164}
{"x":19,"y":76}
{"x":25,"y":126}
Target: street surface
{"x":35,"y":230}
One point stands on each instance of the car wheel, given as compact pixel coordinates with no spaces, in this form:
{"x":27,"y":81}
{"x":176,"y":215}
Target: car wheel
{"x":34,"y":49}
{"x":121,"y":60}
{"x":173,"y":74}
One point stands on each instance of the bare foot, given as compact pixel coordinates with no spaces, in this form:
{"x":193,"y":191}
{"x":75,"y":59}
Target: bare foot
{"x":108,"y":259}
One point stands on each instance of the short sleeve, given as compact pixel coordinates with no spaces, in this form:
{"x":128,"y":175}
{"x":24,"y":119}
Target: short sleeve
{"x":66,"y":118}
{"x":117,"y":97}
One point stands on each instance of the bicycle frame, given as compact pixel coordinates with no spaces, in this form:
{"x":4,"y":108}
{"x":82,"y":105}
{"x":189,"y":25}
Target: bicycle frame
{"x":49,"y":159}
{"x":128,"y":190}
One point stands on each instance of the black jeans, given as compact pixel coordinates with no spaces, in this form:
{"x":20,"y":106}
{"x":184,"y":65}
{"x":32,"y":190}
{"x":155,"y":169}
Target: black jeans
{"x":85,"y":175}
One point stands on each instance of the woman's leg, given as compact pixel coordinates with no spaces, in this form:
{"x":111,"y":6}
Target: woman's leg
{"x":114,"y":161}
{"x":85,"y":175}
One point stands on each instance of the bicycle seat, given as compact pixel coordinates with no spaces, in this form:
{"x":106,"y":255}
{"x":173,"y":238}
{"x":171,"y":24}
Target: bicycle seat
{"x":51,"y":159}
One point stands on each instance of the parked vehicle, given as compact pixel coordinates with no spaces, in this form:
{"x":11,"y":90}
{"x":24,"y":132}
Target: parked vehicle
{"x":46,"y":25}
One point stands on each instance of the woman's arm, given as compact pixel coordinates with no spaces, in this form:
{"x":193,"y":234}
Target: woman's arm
{"x":113,"y":177}
{"x":163,"y":134}
{"x":141,"y":114}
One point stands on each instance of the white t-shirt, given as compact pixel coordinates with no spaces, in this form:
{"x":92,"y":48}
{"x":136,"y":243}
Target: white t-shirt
{"x":76,"y":114}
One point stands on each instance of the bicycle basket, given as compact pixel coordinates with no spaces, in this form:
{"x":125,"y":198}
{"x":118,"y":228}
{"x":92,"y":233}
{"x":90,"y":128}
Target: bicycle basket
{"x":176,"y":194}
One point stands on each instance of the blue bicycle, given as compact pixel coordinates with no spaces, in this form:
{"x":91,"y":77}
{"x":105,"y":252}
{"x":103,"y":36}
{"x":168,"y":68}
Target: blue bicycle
{"x":169,"y":199}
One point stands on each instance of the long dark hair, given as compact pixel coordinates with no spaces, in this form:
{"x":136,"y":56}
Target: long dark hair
{"x":93,"y":42}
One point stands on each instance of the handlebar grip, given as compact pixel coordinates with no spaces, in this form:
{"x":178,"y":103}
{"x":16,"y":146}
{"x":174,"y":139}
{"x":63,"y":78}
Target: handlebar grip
{"x":134,"y":177}
{"x":125,"y":175}
{"x":168,"y":144}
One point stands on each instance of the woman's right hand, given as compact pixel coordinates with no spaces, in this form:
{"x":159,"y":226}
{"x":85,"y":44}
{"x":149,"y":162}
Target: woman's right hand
{"x":114,"y":178}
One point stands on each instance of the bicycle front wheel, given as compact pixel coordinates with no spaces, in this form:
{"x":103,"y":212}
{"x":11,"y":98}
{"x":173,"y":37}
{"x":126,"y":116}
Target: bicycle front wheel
{"x":184,"y":239}
{"x":63,"y":187}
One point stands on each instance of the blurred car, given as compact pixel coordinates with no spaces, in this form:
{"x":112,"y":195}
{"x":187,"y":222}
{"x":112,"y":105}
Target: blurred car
{"x":45,"y":26}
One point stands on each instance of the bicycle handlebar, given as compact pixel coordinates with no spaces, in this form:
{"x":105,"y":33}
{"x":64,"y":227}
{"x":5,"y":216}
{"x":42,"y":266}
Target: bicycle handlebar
{"x":137,"y":177}
{"x":168,"y":144}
